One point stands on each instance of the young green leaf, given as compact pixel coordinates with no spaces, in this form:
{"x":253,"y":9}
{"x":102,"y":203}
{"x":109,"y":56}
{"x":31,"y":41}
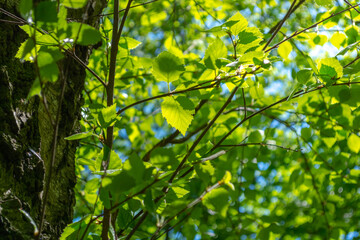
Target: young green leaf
{"x":329,"y":70}
{"x":350,"y":47}
{"x":215,"y":51}
{"x":255,"y":137}
{"x":128,"y":43}
{"x":167,"y":67}
{"x":354,"y":143}
{"x":78,"y":136}
{"x":27,"y":50}
{"x":82,"y":33}
{"x":337,"y":39}
{"x":311,"y":63}
{"x":217,"y":200}
{"x":108,"y":116}
{"x":285,"y":49}
{"x":74,"y":3}
{"x":176,"y":115}
{"x":25,"y":7}
{"x":325,"y":3}
{"x":304,"y":75}
{"x":205,"y":171}
{"x":236,"y":23}
{"x":35,"y":88}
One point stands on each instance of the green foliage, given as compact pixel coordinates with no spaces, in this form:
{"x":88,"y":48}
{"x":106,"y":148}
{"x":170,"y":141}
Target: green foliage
{"x":176,"y":115}
{"x":167,"y":67}
{"x":74,"y":3}
{"x":215,"y":51}
{"x":278,"y":159}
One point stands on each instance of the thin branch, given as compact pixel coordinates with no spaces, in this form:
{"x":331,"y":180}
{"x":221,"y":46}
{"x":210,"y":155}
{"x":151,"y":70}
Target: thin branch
{"x":233,"y":43}
{"x":292,"y":11}
{"x":312,"y":26}
{"x":353,"y":61}
{"x":280,"y":24}
{"x":12,"y":22}
{"x":116,"y":33}
{"x":122,"y":24}
{"x":351,"y":5}
{"x":188,"y":136}
{"x":176,"y":224}
{"x":197,"y":4}
{"x":9,"y":14}
{"x":243,"y":95}
{"x":141,"y":220}
{"x":171,"y":138}
{"x":214,"y":82}
{"x":122,"y":10}
{"x":189,"y":206}
{"x":76,"y":58}
{"x":164,"y":95}
{"x":260,"y":144}
{"x":297,"y":94}
{"x":197,"y":141}
{"x":286,"y":124}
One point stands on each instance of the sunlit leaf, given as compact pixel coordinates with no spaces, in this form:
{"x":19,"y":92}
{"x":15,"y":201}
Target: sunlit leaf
{"x":167,"y":67}
{"x":176,"y":115}
{"x":236,"y":23}
{"x":217,"y":200}
{"x":325,"y":3}
{"x":354,"y":143}
{"x":337,"y":39}
{"x":78,"y":136}
{"x":330,"y":69}
{"x":215,"y":51}
{"x":74,"y":3}
{"x":285,"y":49}
{"x":304,"y":75}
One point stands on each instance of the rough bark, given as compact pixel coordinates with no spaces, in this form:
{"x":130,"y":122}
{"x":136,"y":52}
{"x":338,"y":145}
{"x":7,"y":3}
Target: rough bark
{"x":26,"y":136}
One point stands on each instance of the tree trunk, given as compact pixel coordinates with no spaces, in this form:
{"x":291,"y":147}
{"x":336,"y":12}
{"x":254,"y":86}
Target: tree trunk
{"x":26,"y":136}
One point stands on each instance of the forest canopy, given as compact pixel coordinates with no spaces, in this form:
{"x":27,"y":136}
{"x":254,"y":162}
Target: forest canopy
{"x":203,"y":119}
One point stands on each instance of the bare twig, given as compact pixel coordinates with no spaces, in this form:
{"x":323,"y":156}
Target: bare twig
{"x":280,"y":25}
{"x":297,"y":94}
{"x":12,"y":22}
{"x":351,"y":5}
{"x":164,"y":95}
{"x":312,"y":26}
{"x":197,"y":4}
{"x":197,"y":141}
{"x":292,"y":11}
{"x":141,"y":220}
{"x":189,"y":206}
{"x":353,"y":61}
{"x":171,"y":138}
{"x":243,"y":95}
{"x":122,"y":10}
{"x":176,"y":224}
{"x":260,"y":144}
{"x":76,"y":58}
